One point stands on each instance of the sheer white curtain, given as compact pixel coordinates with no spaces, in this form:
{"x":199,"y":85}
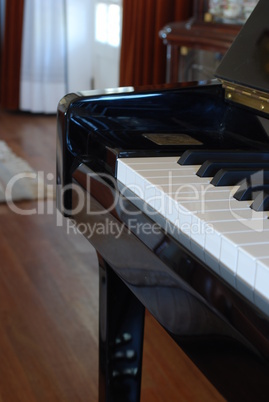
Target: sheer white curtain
{"x":44,"y":68}
{"x":2,"y":20}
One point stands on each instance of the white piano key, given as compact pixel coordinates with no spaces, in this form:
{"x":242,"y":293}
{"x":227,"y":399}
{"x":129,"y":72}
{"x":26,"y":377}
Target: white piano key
{"x":246,"y":268}
{"x":212,"y":247}
{"x":121,"y":171}
{"x":158,"y":160}
{"x":177,"y":183}
{"x":233,"y":233}
{"x":230,"y":247}
{"x":164,"y":169}
{"x":225,"y":233}
{"x":165,"y":173}
{"x":217,"y":205}
{"x":261,"y":296}
{"x":202,"y":195}
{"x":237,"y":261}
{"x":242,"y":215}
{"x":241,"y":227}
{"x":255,"y":251}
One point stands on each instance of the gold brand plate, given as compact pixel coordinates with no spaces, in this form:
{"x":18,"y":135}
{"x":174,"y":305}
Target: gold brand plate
{"x":172,"y":139}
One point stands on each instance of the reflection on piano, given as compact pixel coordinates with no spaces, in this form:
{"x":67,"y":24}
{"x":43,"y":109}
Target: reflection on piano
{"x":172,"y":183}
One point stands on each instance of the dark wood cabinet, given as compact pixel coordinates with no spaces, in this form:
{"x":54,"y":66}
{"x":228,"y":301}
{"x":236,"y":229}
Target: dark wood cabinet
{"x":195,"y":47}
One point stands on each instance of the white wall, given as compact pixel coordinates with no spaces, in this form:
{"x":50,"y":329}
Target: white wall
{"x":80,"y":32}
{"x":107,"y":50}
{"x":90,"y":64}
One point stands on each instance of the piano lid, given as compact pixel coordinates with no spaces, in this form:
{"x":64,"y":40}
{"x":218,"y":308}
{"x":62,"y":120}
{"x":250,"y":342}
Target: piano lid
{"x":244,"y":69}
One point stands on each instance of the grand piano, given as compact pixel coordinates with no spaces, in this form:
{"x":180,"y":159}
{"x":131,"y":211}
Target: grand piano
{"x":170,"y":184}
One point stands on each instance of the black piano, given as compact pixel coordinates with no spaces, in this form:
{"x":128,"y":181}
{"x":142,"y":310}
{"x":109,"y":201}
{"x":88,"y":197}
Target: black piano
{"x":171,"y":186}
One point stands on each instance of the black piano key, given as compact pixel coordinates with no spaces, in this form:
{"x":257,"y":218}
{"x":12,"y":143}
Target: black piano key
{"x":247,"y":188}
{"x":231,"y":177}
{"x":261,"y":202}
{"x":243,"y":194}
{"x":211,"y":167}
{"x":258,"y":182}
{"x":199,"y":156}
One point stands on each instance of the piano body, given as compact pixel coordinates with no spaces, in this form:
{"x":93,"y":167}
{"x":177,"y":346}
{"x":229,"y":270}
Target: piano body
{"x":187,"y":240}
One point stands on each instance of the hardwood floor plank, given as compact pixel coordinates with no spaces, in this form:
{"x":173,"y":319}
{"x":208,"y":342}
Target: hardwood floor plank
{"x":49,"y":339}
{"x":49,"y":300}
{"x":166,"y":365}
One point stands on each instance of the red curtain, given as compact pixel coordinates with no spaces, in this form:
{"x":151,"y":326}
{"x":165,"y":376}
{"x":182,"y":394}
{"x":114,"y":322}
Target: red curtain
{"x":11,"y":55}
{"x":143,"y":55}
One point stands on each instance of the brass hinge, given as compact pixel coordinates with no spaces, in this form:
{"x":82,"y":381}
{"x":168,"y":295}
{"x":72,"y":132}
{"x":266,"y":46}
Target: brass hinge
{"x":252,"y":98}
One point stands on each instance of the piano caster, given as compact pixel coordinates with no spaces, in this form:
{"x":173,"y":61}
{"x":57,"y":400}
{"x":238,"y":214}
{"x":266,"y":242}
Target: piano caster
{"x":121,"y":330}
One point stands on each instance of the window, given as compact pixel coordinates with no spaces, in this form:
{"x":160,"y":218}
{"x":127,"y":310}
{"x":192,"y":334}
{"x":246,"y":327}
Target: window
{"x":108,"y":24}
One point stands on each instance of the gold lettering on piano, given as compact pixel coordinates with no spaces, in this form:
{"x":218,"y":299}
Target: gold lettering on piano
{"x":172,"y":139}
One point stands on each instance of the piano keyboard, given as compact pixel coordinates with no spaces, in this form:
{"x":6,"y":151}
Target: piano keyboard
{"x":227,"y":234}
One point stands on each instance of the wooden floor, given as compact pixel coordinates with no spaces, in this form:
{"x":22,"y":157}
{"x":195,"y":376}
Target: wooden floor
{"x":49,"y":301}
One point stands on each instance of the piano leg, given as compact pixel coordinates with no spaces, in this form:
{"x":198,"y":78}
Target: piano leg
{"x":121,"y":331}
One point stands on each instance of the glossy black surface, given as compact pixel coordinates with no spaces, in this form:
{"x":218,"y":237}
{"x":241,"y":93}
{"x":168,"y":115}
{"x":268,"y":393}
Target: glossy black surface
{"x":224,"y":334}
{"x":230,"y":177}
{"x":248,"y":187}
{"x":246,"y":62}
{"x":121,"y":326}
{"x":199,"y":157}
{"x":227,"y":168}
{"x":210,"y":168}
{"x":97,"y":128}
{"x":221,"y":331}
{"x":121,"y":122}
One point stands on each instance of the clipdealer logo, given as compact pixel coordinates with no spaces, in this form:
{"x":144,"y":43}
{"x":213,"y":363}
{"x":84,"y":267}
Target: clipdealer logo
{"x":187,"y":201}
{"x":38,"y":185}
{"x":104,"y":228}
